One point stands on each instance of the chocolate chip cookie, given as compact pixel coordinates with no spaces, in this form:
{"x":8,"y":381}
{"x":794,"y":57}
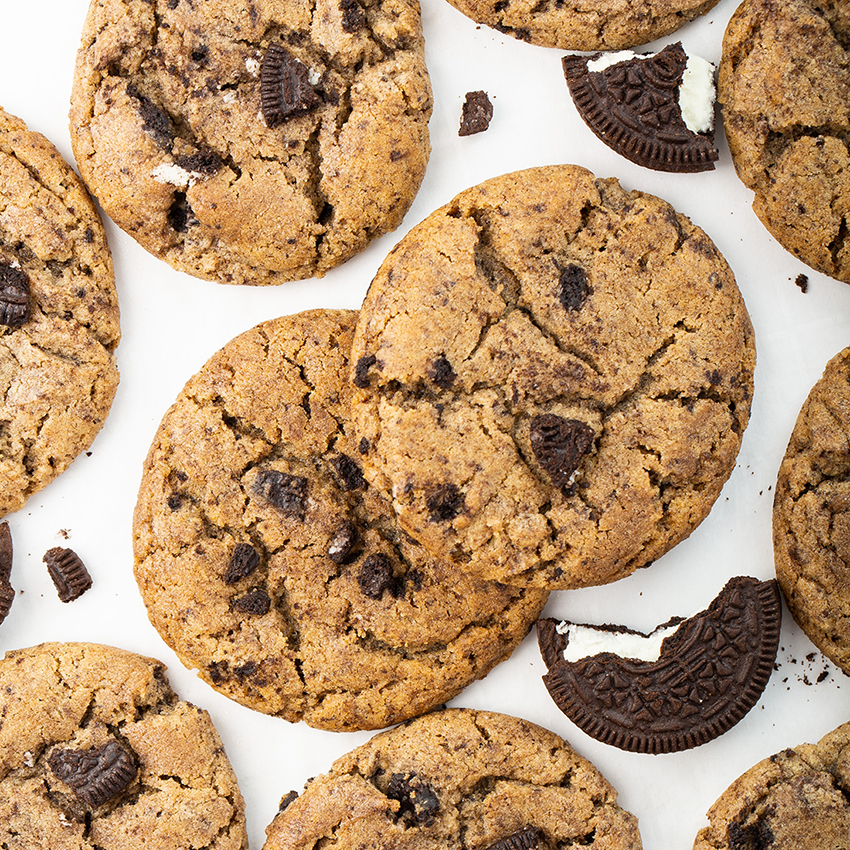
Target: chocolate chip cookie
{"x":59,"y":323}
{"x":97,"y":750}
{"x":577,"y":25}
{"x":456,"y":778}
{"x":783,"y":85}
{"x":553,"y":378}
{"x":267,"y":561}
{"x":255,"y":143}
{"x":794,"y":800}
{"x":811,"y":515}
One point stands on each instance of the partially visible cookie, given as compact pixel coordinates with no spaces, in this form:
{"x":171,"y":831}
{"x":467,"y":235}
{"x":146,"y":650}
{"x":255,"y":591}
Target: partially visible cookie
{"x":267,"y":561}
{"x":554,"y":375}
{"x":58,"y":315}
{"x":96,"y":750}
{"x":578,"y":25}
{"x":811,"y":515}
{"x":783,"y":86}
{"x":794,"y":800}
{"x":252,"y":144}
{"x":453,"y":778}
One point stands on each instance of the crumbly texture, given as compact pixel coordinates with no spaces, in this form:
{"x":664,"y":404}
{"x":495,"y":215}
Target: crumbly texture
{"x":458,"y":778}
{"x":794,"y":800}
{"x":268,"y":563}
{"x":579,"y":25}
{"x":811,"y":515}
{"x":57,"y":366}
{"x":553,"y":378}
{"x":170,"y":129}
{"x":784,"y":84}
{"x":80,"y":697}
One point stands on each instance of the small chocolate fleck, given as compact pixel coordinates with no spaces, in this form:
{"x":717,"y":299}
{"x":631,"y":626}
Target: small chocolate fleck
{"x":444,"y":503}
{"x":527,"y":838}
{"x":254,"y":602}
{"x":418,"y":801}
{"x":573,"y":288}
{"x":288,"y":493}
{"x":285,"y":89}
{"x":361,"y":370}
{"x":353,"y":18}
{"x":68,"y":573}
{"x":243,"y":561}
{"x":175,"y":500}
{"x":95,"y":775}
{"x":476,"y":114}
{"x":217,"y":671}
{"x":14,"y":296}
{"x":376,"y":575}
{"x":802,"y":280}
{"x":341,"y":546}
{"x":559,"y":445}
{"x":441,"y":372}
{"x":363,"y":446}
{"x":350,"y":473}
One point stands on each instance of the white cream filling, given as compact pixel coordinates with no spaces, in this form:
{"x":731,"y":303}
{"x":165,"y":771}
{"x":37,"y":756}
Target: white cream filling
{"x":584,"y":641}
{"x":253,"y":66}
{"x":173,"y":174}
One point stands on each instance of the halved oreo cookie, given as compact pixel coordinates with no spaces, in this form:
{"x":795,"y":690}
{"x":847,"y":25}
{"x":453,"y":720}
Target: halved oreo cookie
{"x":656,"y":110}
{"x":709,"y":672}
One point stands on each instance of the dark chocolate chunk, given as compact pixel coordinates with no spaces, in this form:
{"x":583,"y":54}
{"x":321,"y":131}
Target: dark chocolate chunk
{"x":342,"y":544}
{"x":288,"y":493}
{"x":350,"y":473}
{"x":243,"y":561}
{"x":527,"y":838}
{"x":285,"y":89}
{"x":418,"y":801}
{"x":559,"y":445}
{"x":441,"y":373}
{"x":180,"y":215}
{"x":5,"y":552}
{"x":361,"y":370}
{"x":14,"y":296}
{"x":154,"y":120}
{"x":376,"y":576}
{"x":633,"y":106}
{"x":476,"y":114}
{"x":444,"y":503}
{"x":68,"y":573}
{"x":95,"y":775}
{"x":255,"y":602}
{"x":711,"y":672}
{"x":205,"y":162}
{"x":353,"y":17}
{"x":573,"y":288}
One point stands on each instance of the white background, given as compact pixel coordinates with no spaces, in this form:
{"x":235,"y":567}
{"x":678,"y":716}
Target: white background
{"x":172,"y":323}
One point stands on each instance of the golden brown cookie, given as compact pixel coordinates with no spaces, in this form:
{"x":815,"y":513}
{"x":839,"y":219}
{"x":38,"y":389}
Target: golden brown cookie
{"x":267,"y":562}
{"x":455,"y":778}
{"x":58,"y":315}
{"x":252,"y":143}
{"x":784,"y":84}
{"x":553,"y":378}
{"x":96,"y":750}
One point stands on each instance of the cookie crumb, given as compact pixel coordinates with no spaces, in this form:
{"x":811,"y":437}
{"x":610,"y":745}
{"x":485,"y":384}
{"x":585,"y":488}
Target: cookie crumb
{"x":476,"y":115}
{"x":68,"y":572}
{"x":802,"y":281}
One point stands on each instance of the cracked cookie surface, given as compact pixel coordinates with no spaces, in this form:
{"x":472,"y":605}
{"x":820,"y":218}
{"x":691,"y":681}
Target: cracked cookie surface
{"x":267,"y":561}
{"x":784,"y":85}
{"x":455,"y":778}
{"x":794,"y":800}
{"x":553,"y":378}
{"x":811,"y":515}
{"x":59,"y":322}
{"x":253,"y":143}
{"x":579,"y":25}
{"x":96,"y":750}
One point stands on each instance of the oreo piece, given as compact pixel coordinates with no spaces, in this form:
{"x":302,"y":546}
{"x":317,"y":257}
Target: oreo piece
{"x":14,"y":296}
{"x":711,"y":670}
{"x":255,"y":602}
{"x":243,"y":561}
{"x":95,"y":775}
{"x":476,"y":114}
{"x":418,"y":802}
{"x":285,"y":88}
{"x":68,"y":573}
{"x":7,"y":592}
{"x":559,"y":445}
{"x":527,"y":838}
{"x":288,"y":493}
{"x":643,"y":108}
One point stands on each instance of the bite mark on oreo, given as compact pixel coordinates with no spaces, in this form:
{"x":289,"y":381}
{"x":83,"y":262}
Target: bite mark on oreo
{"x":560,"y":445}
{"x":243,"y":561}
{"x":417,"y":799}
{"x":288,"y":493}
{"x":285,"y":88}
{"x":14,"y":296}
{"x":476,"y":114}
{"x":711,"y":671}
{"x":95,"y":775}
{"x":68,"y":573}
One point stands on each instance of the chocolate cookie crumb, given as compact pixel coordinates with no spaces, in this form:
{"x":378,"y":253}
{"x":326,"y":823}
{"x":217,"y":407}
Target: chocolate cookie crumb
{"x":802,"y":280}
{"x":68,"y":573}
{"x":476,"y":115}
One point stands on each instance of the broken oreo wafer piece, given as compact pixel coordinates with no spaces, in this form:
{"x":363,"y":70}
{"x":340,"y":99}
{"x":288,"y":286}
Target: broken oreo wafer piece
{"x":95,"y":775}
{"x":656,"y":110}
{"x":68,"y":573}
{"x":704,"y":674}
{"x":285,"y":87}
{"x":476,"y":115}
{"x":7,"y":592}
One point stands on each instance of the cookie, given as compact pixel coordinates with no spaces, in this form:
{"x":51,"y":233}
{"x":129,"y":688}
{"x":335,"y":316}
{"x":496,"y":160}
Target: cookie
{"x":575,"y":25}
{"x":257,"y":144}
{"x":553,"y":378}
{"x":456,"y":778}
{"x":680,"y":686}
{"x":58,"y":315}
{"x":656,"y":109}
{"x":97,"y":750}
{"x":783,"y":87}
{"x":811,"y":515}
{"x":794,"y":800}
{"x":267,"y":562}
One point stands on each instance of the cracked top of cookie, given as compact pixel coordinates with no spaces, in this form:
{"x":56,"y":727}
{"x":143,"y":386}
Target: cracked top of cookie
{"x":256,"y":143}
{"x":59,"y":322}
{"x":96,"y":749}
{"x":459,"y":777}
{"x":784,"y":86}
{"x":268,"y":562}
{"x":553,"y":377}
